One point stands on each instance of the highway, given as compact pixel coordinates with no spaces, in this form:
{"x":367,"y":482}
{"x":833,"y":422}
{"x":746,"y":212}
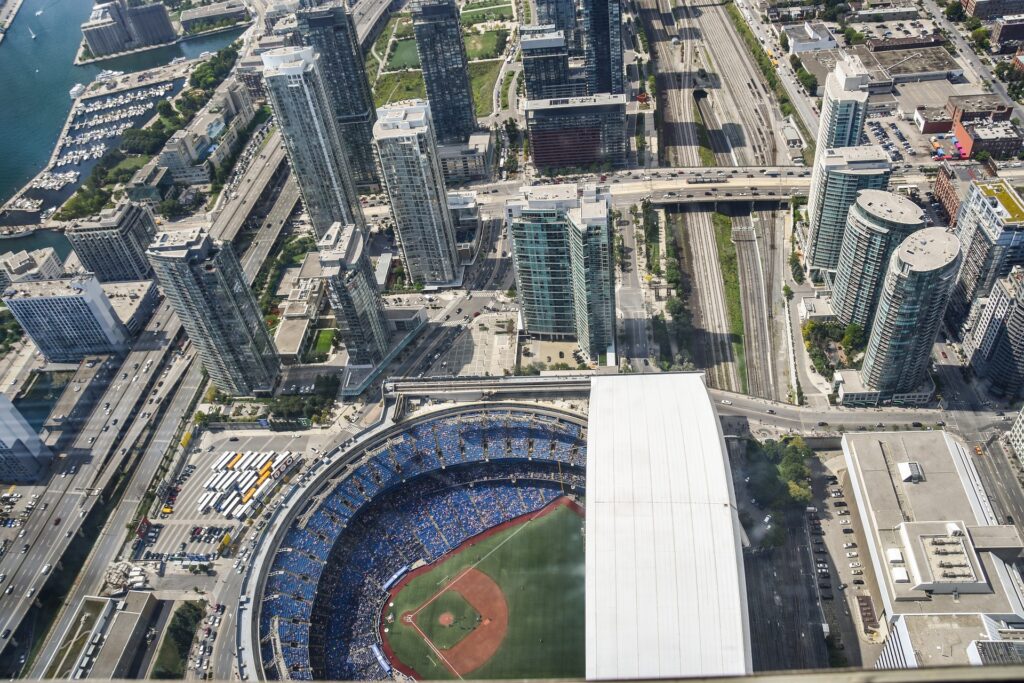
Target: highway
{"x":270,"y":230}
{"x":229,"y":222}
{"x":96,"y":455}
{"x":112,"y":538}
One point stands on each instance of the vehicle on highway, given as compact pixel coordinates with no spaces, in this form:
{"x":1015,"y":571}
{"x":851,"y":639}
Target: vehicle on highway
{"x":726,"y":402}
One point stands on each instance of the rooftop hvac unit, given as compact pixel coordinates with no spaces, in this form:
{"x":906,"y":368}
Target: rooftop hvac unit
{"x":895,"y":555}
{"x":953,"y":529}
{"x":900,"y":575}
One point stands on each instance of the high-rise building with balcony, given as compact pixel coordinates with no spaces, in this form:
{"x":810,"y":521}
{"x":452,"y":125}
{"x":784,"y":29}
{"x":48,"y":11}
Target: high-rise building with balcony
{"x":414,"y":182}
{"x":354,"y":296}
{"x":302,"y":108}
{"x":330,"y":31}
{"x":586,"y":133}
{"x":561,"y":14}
{"x":205,"y":285}
{"x":844,"y":105}
{"x":113,"y":244}
{"x":561,"y":249}
{"x":445,"y":68}
{"x":602,"y":46}
{"x":839,"y":174}
{"x":878,"y":222}
{"x":546,"y":65}
{"x":913,"y":300}
{"x":990,"y":226}
{"x":994,"y":342}
{"x":67,"y":318}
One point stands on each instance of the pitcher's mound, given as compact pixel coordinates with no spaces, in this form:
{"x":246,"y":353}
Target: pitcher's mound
{"x":446,"y":619}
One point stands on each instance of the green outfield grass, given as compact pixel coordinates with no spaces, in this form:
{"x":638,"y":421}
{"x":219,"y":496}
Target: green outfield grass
{"x":539,"y":567}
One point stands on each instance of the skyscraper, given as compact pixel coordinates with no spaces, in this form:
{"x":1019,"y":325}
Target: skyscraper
{"x":445,"y":68}
{"x":602,"y":46}
{"x":204,"y":283}
{"x":562,"y":15}
{"x":23,"y":456}
{"x":302,"y":107}
{"x":546,"y":65}
{"x":844,"y":105}
{"x":412,"y":177}
{"x":914,"y":295}
{"x":994,"y":341}
{"x":352,"y":290}
{"x":113,"y":244}
{"x":991,"y":229}
{"x":561,"y":249}
{"x":67,"y":318}
{"x":878,"y":222}
{"x":577,"y":132}
{"x":330,"y":31}
{"x":839,"y":174}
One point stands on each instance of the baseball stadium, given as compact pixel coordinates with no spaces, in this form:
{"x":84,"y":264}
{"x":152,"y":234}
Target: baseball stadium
{"x":454,"y":545}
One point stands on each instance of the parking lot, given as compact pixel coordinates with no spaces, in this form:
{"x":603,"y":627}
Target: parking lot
{"x":842,"y":565}
{"x":186,"y":533}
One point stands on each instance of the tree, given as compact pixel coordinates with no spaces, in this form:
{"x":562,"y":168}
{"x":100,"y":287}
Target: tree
{"x":787,"y":292}
{"x":853,"y":339}
{"x":784,"y":41}
{"x":955,"y":12}
{"x":166,"y":109}
{"x":983,"y":155}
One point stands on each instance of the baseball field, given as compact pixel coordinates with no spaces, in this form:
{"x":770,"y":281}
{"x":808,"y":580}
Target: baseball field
{"x":507,"y":604}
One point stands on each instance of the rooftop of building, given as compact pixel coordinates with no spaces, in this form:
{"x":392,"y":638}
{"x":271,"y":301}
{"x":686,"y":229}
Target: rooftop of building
{"x":212,"y":9}
{"x":286,"y":61}
{"x":58,"y":287}
{"x":993,"y":130}
{"x":977,"y":102}
{"x":122,"y":632}
{"x":478,"y":143}
{"x":890,"y":206}
{"x":545,"y":195}
{"x":126,"y":297}
{"x":598,"y":100}
{"x":542,"y":40}
{"x":108,"y":217}
{"x":398,"y":119}
{"x":1007,"y":198}
{"x":929,"y":249}
{"x":932,"y":535}
{"x":947,"y":636}
{"x":869,"y":155}
{"x":1011,"y":19}
{"x":178,"y":243}
{"x":808,"y":30}
{"x":341,"y":246}
{"x":290,"y":334}
{"x":461,"y":199}
{"x":677,"y":575}
{"x":965,"y":172}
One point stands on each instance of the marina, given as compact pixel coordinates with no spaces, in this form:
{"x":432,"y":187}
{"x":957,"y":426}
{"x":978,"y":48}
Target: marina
{"x":37,"y":111}
{"x":112,"y":104}
{"x":36,"y":77}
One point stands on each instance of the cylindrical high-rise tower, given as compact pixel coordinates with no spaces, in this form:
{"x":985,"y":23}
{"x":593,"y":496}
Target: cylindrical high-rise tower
{"x":913,"y":300}
{"x":877,"y":223}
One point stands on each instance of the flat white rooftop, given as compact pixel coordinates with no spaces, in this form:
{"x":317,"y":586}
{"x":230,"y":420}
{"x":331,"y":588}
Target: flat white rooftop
{"x":665,"y":590}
